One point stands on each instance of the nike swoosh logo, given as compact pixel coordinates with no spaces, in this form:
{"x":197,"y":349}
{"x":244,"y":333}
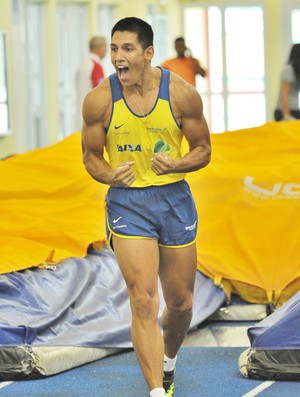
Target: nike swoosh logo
{"x":117,"y":220}
{"x":118,"y":126}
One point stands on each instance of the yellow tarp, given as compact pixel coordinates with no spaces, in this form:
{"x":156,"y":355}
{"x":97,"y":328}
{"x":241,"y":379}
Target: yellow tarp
{"x":51,"y":209}
{"x":248,"y":201}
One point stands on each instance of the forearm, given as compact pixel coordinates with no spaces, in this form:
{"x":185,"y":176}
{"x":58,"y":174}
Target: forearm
{"x":198,"y":68}
{"x":285,"y":106}
{"x":98,"y":168}
{"x":195,"y":159}
{"x":101,"y":171}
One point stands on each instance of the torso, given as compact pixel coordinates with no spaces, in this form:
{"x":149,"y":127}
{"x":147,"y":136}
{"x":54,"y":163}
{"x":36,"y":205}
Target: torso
{"x":288,"y":76}
{"x":135,"y":137}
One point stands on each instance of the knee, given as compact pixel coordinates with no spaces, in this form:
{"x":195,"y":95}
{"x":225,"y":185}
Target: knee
{"x":180,"y":304}
{"x":145,"y":305}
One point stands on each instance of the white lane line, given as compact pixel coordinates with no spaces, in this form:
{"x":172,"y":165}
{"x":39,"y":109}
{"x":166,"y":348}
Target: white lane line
{"x":4,"y":384}
{"x":259,"y":389}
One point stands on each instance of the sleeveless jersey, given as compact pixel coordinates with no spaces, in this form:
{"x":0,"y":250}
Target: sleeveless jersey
{"x":131,"y":137}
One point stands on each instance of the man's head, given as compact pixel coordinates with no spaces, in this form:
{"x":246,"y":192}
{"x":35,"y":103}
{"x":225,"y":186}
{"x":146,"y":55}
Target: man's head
{"x":98,"y":46}
{"x":141,"y":28}
{"x":180,"y":47}
{"x":131,"y":49}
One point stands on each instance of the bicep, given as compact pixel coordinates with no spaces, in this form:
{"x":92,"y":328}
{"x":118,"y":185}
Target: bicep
{"x":194,"y":124}
{"x":93,"y":127}
{"x":93,"y":139}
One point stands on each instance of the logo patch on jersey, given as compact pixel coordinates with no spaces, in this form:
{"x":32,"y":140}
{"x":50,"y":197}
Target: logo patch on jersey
{"x":128,"y":147}
{"x":119,"y":126}
{"x":161,"y":146}
{"x":157,"y":130}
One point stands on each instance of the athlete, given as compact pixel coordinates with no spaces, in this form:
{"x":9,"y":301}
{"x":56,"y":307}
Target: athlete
{"x":140,"y":114}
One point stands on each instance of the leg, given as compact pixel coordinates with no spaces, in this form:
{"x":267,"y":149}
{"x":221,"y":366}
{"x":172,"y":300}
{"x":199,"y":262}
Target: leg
{"x":177,"y":274}
{"x":139,"y":263}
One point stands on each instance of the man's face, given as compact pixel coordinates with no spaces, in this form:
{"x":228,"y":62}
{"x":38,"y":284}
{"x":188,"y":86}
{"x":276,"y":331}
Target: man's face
{"x":180,"y":48}
{"x":128,"y":57}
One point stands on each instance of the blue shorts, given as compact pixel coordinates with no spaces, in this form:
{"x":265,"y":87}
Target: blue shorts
{"x":166,"y":213}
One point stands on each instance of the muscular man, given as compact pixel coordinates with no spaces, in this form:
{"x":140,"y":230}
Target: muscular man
{"x":140,"y":115}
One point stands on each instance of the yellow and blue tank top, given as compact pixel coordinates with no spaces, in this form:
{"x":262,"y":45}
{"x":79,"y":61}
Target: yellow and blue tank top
{"x":132,"y":137}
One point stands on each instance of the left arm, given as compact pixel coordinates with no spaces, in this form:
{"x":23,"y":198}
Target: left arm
{"x":198,"y":68}
{"x":187,"y":104}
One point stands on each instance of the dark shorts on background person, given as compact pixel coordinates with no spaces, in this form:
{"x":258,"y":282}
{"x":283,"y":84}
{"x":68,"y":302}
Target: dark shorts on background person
{"x":278,"y":115}
{"x":166,"y":213}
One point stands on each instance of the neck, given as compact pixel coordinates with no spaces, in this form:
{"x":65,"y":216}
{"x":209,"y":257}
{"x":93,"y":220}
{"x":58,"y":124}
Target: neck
{"x":140,"y":95}
{"x":144,"y":85}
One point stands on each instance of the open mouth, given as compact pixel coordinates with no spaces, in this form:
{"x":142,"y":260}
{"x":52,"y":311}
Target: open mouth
{"x":122,"y":71}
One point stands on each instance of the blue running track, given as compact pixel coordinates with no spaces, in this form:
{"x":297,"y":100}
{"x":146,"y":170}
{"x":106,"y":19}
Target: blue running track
{"x":201,"y":372}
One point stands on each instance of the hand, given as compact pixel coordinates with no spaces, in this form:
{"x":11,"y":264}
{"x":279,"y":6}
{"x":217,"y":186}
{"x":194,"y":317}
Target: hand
{"x":122,"y":175}
{"x":162,"y":164}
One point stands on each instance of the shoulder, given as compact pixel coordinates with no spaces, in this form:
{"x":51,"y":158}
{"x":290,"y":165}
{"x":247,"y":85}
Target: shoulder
{"x":184,"y":95}
{"x":97,"y":103}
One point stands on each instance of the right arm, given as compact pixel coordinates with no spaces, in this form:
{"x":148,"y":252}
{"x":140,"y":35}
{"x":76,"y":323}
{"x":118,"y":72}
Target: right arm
{"x":287,"y":82}
{"x":285,"y":105}
{"x":96,"y":114}
{"x":198,"y":68}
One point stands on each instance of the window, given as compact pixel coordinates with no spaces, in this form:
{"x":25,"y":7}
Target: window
{"x":229,"y":41}
{"x":4,"y":112}
{"x":105,"y":24}
{"x":159,"y":23}
{"x":296,"y":25}
{"x":72,"y":43}
{"x":36,"y":110}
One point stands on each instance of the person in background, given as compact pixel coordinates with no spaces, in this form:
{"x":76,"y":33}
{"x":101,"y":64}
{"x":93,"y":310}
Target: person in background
{"x":184,"y":64}
{"x":140,"y":114}
{"x":288,"y":107}
{"x":90,"y":72}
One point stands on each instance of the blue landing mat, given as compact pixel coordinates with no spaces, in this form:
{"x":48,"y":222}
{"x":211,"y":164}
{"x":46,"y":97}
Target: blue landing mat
{"x":201,"y":372}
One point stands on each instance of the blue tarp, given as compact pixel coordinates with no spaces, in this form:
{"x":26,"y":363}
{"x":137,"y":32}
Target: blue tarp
{"x":275,"y":345}
{"x":280,"y":330}
{"x":82,"y":302}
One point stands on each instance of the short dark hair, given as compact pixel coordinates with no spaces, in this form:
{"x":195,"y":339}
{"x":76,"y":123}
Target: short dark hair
{"x":294,"y":60}
{"x":132,"y":24}
{"x":179,"y":39}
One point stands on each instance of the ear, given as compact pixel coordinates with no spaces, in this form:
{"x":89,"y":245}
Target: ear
{"x":149,"y":52}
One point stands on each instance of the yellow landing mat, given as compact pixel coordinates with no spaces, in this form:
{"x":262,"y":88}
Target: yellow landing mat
{"x":51,"y":209}
{"x":248,"y":201}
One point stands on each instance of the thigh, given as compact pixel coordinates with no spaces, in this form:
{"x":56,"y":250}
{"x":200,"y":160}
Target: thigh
{"x":178,"y":217}
{"x":138,"y":260}
{"x":177,"y":273}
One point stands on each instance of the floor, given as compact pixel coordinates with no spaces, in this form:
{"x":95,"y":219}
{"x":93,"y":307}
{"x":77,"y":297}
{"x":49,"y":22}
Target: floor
{"x":227,"y":327}
{"x":207,"y":367}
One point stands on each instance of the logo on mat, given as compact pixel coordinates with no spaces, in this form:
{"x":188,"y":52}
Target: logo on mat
{"x":119,"y":126}
{"x":277,"y":190}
